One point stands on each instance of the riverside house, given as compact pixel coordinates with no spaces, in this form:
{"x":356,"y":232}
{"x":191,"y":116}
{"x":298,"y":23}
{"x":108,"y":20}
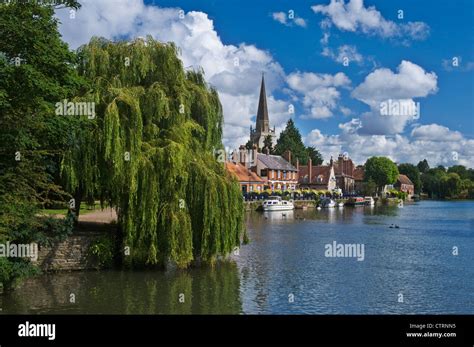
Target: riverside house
{"x":249,"y":180}
{"x":404,"y":184}
{"x":319,"y":177}
{"x":277,"y":171}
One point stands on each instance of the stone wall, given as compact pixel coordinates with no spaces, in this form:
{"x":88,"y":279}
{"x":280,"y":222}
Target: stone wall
{"x":73,"y":253}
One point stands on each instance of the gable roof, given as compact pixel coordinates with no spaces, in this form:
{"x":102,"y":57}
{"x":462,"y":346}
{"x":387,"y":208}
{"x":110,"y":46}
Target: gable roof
{"x":275,"y":162}
{"x":403,"y":179}
{"x":319,"y":170}
{"x":242,"y":173}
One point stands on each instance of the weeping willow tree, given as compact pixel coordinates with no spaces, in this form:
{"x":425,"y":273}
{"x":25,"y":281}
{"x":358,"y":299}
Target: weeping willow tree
{"x":149,"y":152}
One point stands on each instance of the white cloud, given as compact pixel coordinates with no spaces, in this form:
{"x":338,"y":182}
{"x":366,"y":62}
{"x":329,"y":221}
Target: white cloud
{"x":284,"y":19}
{"x":436,"y":133}
{"x":318,"y":92}
{"x":234,"y":70}
{"x":437,"y":149}
{"x":345,"y":53}
{"x":354,"y":16}
{"x":409,"y":82}
{"x":280,"y":17}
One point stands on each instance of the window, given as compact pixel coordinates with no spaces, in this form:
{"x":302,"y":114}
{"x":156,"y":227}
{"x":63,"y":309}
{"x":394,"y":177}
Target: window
{"x":320,"y":179}
{"x":284,"y":174}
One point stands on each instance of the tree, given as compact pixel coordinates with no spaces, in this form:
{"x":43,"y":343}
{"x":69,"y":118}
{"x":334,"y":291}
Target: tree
{"x":381,"y":170}
{"x":249,"y":145}
{"x":314,"y":155}
{"x":423,"y":166}
{"x":413,"y":174}
{"x":149,"y":154}
{"x":290,"y":139}
{"x":460,"y":170}
{"x":268,"y":144}
{"x":37,"y":70}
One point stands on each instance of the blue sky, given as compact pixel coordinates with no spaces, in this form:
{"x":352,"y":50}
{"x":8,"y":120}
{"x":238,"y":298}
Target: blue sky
{"x":407,"y":60}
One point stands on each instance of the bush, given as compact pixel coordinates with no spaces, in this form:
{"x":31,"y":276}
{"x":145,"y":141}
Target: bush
{"x":102,"y":251}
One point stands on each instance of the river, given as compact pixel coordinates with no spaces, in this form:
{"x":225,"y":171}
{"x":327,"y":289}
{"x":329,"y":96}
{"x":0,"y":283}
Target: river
{"x":425,"y":266}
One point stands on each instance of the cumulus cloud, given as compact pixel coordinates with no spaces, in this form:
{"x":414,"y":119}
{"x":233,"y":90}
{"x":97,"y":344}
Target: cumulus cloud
{"x":383,"y":86}
{"x":288,"y":20}
{"x":318,"y":92}
{"x":234,"y":70}
{"x":445,"y":147}
{"x":355,"y":17}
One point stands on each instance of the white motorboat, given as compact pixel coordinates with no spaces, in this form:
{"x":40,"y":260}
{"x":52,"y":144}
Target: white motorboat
{"x":275,"y":203}
{"x":340,"y":204}
{"x":369,"y":201}
{"x":328,"y":203}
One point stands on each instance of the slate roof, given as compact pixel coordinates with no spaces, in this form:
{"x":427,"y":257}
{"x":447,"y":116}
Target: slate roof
{"x":275,"y":162}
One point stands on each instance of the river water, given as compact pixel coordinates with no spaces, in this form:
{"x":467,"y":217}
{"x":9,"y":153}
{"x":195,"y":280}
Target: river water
{"x":426,"y":265}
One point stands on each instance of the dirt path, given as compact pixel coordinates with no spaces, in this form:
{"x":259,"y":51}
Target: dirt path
{"x":107,"y":215}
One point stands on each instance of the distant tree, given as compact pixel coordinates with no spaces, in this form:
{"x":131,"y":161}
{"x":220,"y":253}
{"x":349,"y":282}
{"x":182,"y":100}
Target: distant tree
{"x":460,"y":170}
{"x":413,"y":174}
{"x":314,"y":155}
{"x":369,"y":188}
{"x":290,"y":139}
{"x":268,"y":144}
{"x":381,"y":170}
{"x":249,"y":145}
{"x":441,"y":167}
{"x":423,"y":166}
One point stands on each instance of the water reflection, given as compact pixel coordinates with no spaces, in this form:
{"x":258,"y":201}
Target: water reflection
{"x":206,"y":291}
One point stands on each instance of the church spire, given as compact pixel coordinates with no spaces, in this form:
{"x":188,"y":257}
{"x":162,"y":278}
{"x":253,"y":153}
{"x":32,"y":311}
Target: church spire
{"x":262,"y":113}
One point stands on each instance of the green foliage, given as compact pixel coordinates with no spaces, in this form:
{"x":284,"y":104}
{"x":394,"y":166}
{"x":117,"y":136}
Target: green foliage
{"x":413,"y":174}
{"x":290,"y":139}
{"x":268,"y":144}
{"x":174,"y":200}
{"x":369,"y":188}
{"x":37,"y":70}
{"x":423,"y":166}
{"x":314,"y":155}
{"x":381,"y":170}
{"x":101,"y":250}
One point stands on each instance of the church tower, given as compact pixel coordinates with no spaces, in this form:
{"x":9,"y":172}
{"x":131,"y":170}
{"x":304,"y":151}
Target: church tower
{"x":262,"y":129}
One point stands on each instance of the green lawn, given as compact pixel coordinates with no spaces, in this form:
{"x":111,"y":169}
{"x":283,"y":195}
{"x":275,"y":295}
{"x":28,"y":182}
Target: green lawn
{"x":84,"y":210}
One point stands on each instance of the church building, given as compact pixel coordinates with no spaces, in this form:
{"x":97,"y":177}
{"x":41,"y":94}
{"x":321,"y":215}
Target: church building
{"x":262,"y":129}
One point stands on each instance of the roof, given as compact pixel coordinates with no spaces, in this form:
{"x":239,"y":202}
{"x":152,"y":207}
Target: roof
{"x":403,"y":179}
{"x":359,"y":173}
{"x":319,"y":170}
{"x":275,"y":162}
{"x":242,"y":173}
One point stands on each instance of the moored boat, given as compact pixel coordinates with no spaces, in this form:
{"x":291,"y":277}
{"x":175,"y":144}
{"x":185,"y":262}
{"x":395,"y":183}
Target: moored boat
{"x":369,"y":201}
{"x":328,"y":203}
{"x":356,"y":201}
{"x":275,"y":203}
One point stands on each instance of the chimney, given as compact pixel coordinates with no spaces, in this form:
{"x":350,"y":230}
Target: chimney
{"x":310,"y":169}
{"x":235,"y":157}
{"x":242,"y":154}
{"x":287,"y":155}
{"x":254,"y":156}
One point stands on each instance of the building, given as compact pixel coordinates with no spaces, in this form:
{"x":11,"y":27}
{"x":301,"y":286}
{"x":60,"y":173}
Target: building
{"x":319,"y":177}
{"x":262,"y":128}
{"x":249,"y":180}
{"x":344,"y":170}
{"x":277,"y":171}
{"x":404,"y":184}
{"x":359,"y":173}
